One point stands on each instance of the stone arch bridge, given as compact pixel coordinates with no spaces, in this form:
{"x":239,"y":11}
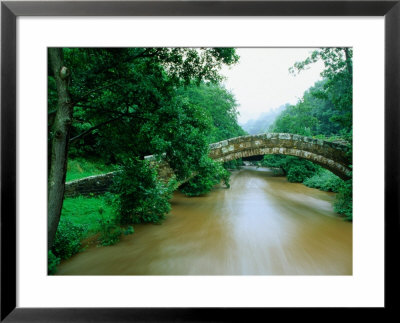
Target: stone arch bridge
{"x":334,"y":156}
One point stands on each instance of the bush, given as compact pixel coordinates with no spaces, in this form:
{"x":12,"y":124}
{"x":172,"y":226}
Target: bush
{"x":299,"y":173}
{"x":110,"y":234}
{"x":296,"y":169}
{"x":129,"y":230}
{"x":324,"y":180}
{"x":233,"y":164}
{"x":273,"y":161}
{"x":52,"y":263}
{"x":210,"y":173}
{"x":141,"y":196}
{"x":68,"y":239}
{"x":109,"y":231}
{"x":344,"y":200}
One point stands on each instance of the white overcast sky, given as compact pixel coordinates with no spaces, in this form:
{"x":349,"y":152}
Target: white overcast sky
{"x":261,"y":80}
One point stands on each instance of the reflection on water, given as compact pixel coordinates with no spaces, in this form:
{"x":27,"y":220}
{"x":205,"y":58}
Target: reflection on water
{"x":261,"y":225}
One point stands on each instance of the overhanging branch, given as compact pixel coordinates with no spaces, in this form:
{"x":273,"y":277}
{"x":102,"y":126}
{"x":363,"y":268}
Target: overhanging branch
{"x":94,"y":128}
{"x":86,"y":132}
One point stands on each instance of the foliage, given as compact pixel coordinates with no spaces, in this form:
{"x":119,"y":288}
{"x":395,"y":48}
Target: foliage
{"x":337,"y":88}
{"x":52,"y":263}
{"x":142,"y":198}
{"x":109,"y":231}
{"x":233,"y":164}
{"x":132,"y":102}
{"x":219,"y":104}
{"x":296,"y":169}
{"x":326,"y":108}
{"x":119,"y":94}
{"x":324,"y":180}
{"x":180,"y":135}
{"x":68,"y":239}
{"x":311,"y":116}
{"x":344,"y":200}
{"x":300,"y":170}
{"x":125,"y":103}
{"x":209,"y":174}
{"x":273,"y":161}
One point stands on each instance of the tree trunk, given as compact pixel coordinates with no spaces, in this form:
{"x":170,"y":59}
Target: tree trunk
{"x":59,"y":149}
{"x":349,"y":65}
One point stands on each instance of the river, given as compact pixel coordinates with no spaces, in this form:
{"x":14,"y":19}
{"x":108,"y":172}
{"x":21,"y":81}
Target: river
{"x":261,"y":225}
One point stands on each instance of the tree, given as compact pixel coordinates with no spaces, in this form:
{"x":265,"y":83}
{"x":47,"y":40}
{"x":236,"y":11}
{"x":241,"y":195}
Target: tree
{"x":311,"y":116}
{"x":219,"y":104}
{"x":338,"y":87}
{"x":121,"y":103}
{"x":218,"y":107}
{"x":59,"y":148}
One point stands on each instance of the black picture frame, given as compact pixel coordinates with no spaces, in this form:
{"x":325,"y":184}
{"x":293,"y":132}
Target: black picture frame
{"x":10,"y":10}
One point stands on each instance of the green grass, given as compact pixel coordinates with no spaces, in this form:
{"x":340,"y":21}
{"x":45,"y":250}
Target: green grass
{"x":81,"y":168}
{"x":88,"y":211}
{"x":81,"y":218}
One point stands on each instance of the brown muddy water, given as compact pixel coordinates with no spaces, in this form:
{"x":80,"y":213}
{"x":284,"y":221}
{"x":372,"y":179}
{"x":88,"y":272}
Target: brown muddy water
{"x":261,"y":225}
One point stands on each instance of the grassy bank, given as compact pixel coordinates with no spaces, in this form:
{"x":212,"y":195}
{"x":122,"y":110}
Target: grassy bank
{"x":83,"y":218}
{"x":88,"y":212}
{"x":81,"y":168}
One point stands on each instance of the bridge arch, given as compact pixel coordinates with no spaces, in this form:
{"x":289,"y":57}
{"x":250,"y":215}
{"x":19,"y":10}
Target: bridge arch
{"x":333,"y":156}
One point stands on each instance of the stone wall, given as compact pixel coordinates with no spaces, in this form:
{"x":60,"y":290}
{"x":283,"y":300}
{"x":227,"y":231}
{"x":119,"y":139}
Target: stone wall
{"x":100,"y":184}
{"x":93,"y":185}
{"x":165,"y":172}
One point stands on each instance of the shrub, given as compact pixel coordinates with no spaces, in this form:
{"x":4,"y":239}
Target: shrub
{"x":273,"y":161}
{"x":110,"y":234}
{"x":344,"y":200}
{"x":141,"y":196}
{"x":233,"y":164}
{"x":129,"y":230}
{"x":324,"y":180}
{"x":109,"y":231}
{"x":68,"y":239}
{"x":210,"y":173}
{"x":296,"y":169}
{"x":298,"y":173}
{"x":52,"y":263}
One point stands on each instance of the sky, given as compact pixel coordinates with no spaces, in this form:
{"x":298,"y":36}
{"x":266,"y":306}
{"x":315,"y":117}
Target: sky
{"x":261,"y":80}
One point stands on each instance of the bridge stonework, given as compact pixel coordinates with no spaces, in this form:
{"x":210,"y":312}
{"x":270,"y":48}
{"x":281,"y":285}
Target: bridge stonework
{"x":333,"y":156}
